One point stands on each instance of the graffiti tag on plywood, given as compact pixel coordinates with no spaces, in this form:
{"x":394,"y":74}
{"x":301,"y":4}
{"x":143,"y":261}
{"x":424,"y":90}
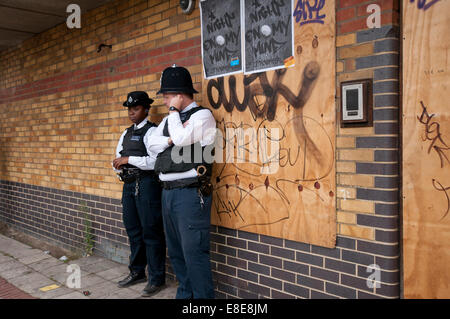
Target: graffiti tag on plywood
{"x":433,"y":134}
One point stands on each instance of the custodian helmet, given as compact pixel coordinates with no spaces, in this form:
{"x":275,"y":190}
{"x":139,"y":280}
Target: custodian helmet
{"x":176,"y":79}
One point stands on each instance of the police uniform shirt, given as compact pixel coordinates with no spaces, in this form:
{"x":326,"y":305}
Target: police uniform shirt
{"x":141,"y":162}
{"x":201,"y":127}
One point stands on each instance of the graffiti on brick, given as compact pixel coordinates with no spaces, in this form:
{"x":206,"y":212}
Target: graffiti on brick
{"x":307,"y":11}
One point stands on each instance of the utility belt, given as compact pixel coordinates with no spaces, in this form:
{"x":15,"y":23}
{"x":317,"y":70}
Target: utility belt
{"x":130,"y":174}
{"x":201,"y":182}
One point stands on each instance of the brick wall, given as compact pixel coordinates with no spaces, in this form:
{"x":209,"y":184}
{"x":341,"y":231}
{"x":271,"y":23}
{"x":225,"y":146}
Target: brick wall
{"x":61,"y":116}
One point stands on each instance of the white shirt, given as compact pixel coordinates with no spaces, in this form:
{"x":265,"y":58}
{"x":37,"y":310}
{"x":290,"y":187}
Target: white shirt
{"x":201,"y":127}
{"x":142,"y":162}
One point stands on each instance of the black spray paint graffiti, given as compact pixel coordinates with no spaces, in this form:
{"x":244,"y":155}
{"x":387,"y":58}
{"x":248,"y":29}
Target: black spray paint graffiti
{"x":271,"y":92}
{"x":422,"y":4}
{"x":433,"y":134}
{"x":231,"y":193}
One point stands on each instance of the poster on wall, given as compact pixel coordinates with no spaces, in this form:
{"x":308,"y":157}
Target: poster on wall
{"x":221,"y":37}
{"x":269,"y":36}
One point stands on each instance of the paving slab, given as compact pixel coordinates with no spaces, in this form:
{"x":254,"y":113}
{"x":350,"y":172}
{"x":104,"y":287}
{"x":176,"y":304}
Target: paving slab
{"x":9,"y":265}
{"x":34,"y":258}
{"x":15,"y":272}
{"x":114,"y":273}
{"x":45,"y":264}
{"x":5,"y":258}
{"x":31,"y":283}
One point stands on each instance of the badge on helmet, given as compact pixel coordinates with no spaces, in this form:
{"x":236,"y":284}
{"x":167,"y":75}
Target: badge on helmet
{"x":176,"y":79}
{"x":138,"y":98}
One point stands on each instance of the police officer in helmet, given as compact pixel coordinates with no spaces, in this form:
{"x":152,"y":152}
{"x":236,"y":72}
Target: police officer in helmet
{"x":188,"y":132}
{"x":141,"y":198}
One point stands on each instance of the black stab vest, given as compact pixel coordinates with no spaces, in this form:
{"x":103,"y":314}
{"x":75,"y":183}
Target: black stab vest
{"x":133,"y":141}
{"x":165,"y":164}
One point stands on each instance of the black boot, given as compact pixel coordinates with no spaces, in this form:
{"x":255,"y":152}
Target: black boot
{"x":151,"y":290}
{"x":132,"y":279}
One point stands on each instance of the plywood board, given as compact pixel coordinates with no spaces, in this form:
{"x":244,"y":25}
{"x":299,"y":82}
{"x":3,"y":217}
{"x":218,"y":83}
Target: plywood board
{"x":282,"y":180}
{"x":426,"y":152}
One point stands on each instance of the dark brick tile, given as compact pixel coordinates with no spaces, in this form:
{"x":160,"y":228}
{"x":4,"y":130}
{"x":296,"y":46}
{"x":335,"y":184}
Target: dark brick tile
{"x":377,"y":195}
{"x":296,"y":267}
{"x":270,"y":282}
{"x":386,"y":128}
{"x":246,"y":294}
{"x":227,"y":231}
{"x":386,"y":45}
{"x":260,"y":248}
{"x":231,"y":241}
{"x":296,"y":290}
{"x":297,"y":245}
{"x":376,"y":169}
{"x":388,"y":290}
{"x":247,"y":235}
{"x":247,"y":255}
{"x":386,"y":73}
{"x":270,"y":261}
{"x":345,"y":242}
{"x":385,"y":87}
{"x":365,"y":295}
{"x":355,"y":282}
{"x":386,"y":209}
{"x":258,"y":289}
{"x":281,"y":252}
{"x":309,"y":259}
{"x":227,"y":250}
{"x":320,"y":295}
{"x":387,"y":31}
{"x":246,"y":275}
{"x":324,"y":274}
{"x":258,"y":268}
{"x":227,"y":289}
{"x":386,"y":100}
{"x":386,"y":156}
{"x":310,"y":282}
{"x":340,"y":291}
{"x":386,"y":182}
{"x":271,"y":240}
{"x":378,"y":249}
{"x":340,"y":266}
{"x":279,"y":295}
{"x":377,"y":221}
{"x":236,"y":262}
{"x":372,"y":61}
{"x":357,"y":257}
{"x":387,"y":236}
{"x":377,"y":142}
{"x":283,"y":275}
{"x":330,"y":252}
{"x":388,"y":263}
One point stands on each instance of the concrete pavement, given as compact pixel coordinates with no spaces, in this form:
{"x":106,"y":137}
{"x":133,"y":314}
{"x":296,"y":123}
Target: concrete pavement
{"x":43,"y":276}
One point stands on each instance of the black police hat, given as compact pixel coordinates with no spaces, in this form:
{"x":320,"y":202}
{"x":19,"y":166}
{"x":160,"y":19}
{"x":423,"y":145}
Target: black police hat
{"x":138,"y":98}
{"x":176,"y":79}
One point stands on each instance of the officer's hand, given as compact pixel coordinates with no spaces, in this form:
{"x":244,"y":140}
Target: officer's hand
{"x":118,"y":162}
{"x":176,"y":101}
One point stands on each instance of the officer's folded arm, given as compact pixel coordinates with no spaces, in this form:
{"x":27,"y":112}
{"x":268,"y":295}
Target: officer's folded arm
{"x":199,"y":127}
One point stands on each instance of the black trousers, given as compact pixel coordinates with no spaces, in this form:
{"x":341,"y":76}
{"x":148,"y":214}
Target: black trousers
{"x":142,"y":218}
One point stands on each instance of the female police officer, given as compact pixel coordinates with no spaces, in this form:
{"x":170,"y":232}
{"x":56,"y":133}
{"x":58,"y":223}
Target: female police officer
{"x":186,"y":197}
{"x":141,"y":198}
